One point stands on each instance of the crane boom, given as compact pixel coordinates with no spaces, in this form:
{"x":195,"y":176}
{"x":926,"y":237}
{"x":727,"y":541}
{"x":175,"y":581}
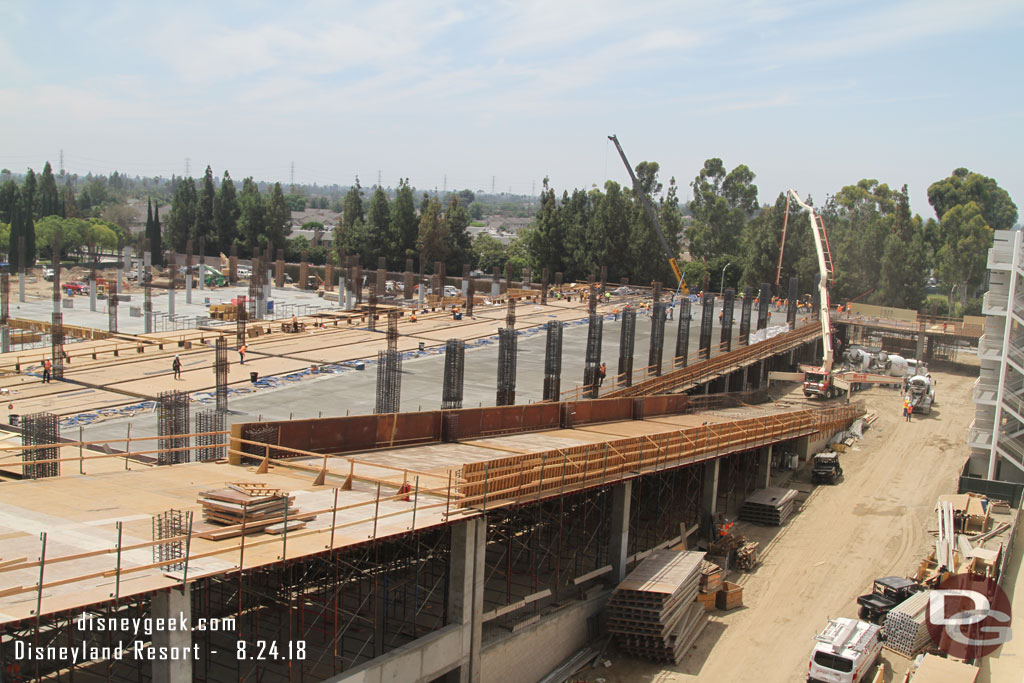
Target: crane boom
{"x":825,"y":270}
{"x":672,"y":261}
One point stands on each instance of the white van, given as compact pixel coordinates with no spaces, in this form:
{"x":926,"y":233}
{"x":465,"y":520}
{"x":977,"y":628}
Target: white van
{"x":845,"y":652}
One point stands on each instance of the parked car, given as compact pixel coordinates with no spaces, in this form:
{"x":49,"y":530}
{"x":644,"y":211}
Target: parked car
{"x":72,"y":288}
{"x":48,"y":273}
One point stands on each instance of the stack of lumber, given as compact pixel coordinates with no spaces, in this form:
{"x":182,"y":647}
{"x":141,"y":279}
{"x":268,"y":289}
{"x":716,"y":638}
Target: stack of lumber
{"x":770,"y":506}
{"x":258,"y":507}
{"x":746,"y":555}
{"x":905,"y":627}
{"x":652,"y":612}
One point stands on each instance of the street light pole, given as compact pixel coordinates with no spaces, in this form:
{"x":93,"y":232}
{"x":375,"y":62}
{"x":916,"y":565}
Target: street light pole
{"x":721,"y":288}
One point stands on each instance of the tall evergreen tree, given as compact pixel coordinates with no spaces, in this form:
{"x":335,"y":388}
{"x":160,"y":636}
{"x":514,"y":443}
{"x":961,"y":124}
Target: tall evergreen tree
{"x":14,"y":216}
{"x":404,"y":225}
{"x":182,"y":220}
{"x":279,"y":219}
{"x":29,"y":194}
{"x":252,"y":215}
{"x":9,"y":194}
{"x":225,"y":216}
{"x":352,"y":208}
{"x":378,"y":222}
{"x":49,"y":199}
{"x":69,"y":206}
{"x":29,"y":231}
{"x":459,"y":245}
{"x":203,"y":226}
{"x":156,"y":244}
{"x":433,"y":238}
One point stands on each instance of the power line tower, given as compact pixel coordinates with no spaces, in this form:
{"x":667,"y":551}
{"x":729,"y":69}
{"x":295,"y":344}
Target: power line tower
{"x":188,"y":167}
{"x":293,"y":177}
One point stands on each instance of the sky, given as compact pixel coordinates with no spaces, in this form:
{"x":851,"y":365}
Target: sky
{"x":810,"y":94}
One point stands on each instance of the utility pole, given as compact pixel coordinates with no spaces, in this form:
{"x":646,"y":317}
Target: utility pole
{"x":445,"y":182}
{"x":378,"y":178}
{"x":293,"y":177}
{"x":492,"y":184}
{"x":188,"y":163}
{"x":62,"y":162}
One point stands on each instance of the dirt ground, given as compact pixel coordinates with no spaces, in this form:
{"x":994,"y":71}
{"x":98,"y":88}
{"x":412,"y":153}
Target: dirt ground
{"x":873,"y":523}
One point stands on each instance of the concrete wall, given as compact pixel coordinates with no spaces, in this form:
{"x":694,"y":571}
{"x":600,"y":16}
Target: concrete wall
{"x":530,"y":654}
{"x":424,"y":659}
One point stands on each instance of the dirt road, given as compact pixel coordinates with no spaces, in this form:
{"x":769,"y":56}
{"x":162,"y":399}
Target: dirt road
{"x":873,"y":523}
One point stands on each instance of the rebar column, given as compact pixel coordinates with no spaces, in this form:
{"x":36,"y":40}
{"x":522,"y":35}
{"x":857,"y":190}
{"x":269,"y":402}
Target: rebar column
{"x":421,"y":283}
{"x":657,"y":335}
{"x":510,"y":314}
{"x":93,"y":258}
{"x":728,"y":303}
{"x":188,"y":272}
{"x":764,"y":301}
{"x":627,"y":338}
{"x":744,"y":316}
{"x":506,"y":394}
{"x":172,"y":266}
{"x":210,"y":446}
{"x":469,"y":299}
{"x":496,"y":283}
{"x":592,"y":356}
{"x":435,"y":282}
{"x":255,"y":290}
{"x":202,"y":262}
{"x":329,"y":277}
{"x":371,"y":310}
{"x":279,"y":270}
{"x":147,"y":298}
{"x":683,"y":333}
{"x":389,"y":370}
{"x":794,"y":292}
{"x":707,"y":315}
{"x":304,"y":271}
{"x":553,"y":360}
{"x":5,"y":310}
{"x":604,"y":278}
{"x":508,"y":277}
{"x":240,"y":315}
{"x":407,"y":284}
{"x":454,"y":365}
{"x":21,"y":269}
{"x":40,"y":429}
{"x":464,"y":285}
{"x":559,"y":279}
{"x":382,"y":275}
{"x":112,"y":307}
{"x":172,"y":427}
{"x":57,"y":325}
{"x":233,"y":265}
{"x":220,"y":370}
{"x":544,"y":287}
{"x":358,"y":281}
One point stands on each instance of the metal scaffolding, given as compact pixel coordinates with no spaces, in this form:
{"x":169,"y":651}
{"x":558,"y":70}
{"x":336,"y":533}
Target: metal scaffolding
{"x":454,"y":364}
{"x":172,"y":421}
{"x":627,"y":339}
{"x":683,"y":334}
{"x":552,"y":360}
{"x":40,"y":429}
{"x":725,"y":341}
{"x":171,"y":525}
{"x":220,"y":369}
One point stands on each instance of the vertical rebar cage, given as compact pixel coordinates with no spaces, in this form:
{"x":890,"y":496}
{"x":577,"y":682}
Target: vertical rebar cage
{"x":683,"y":334}
{"x":553,"y":360}
{"x":40,"y":429}
{"x":706,"y":321}
{"x":748,"y":304}
{"x":794,"y":292}
{"x":454,"y":365}
{"x":173,"y":427}
{"x":657,"y":336}
{"x":506,"y":394}
{"x":210,"y":446}
{"x":627,"y":339}
{"x":220,"y":368}
{"x":169,"y":525}
{"x":725,"y":342}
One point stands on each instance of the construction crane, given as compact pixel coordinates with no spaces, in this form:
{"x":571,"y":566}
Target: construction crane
{"x":672,"y":261}
{"x":818,"y":381}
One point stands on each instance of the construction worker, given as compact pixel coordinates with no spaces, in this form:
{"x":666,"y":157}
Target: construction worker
{"x":910,"y":411}
{"x":412,"y":317}
{"x":176,"y":366}
{"x":241,"y":353}
{"x":46,"y":370}
{"x":602,"y":373}
{"x":615,"y":311}
{"x":906,"y":405}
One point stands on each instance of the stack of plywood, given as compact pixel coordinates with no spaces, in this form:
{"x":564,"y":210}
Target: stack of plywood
{"x":256,"y":506}
{"x":770,"y":506}
{"x":653,"y":613}
{"x":905,"y":627}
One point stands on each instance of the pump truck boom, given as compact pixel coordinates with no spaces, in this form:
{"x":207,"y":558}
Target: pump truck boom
{"x":672,"y":261}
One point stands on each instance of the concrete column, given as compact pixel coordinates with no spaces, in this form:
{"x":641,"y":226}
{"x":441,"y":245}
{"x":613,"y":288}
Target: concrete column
{"x":618,"y":545}
{"x":342,"y":292}
{"x":764,"y":466}
{"x":172,"y":604}
{"x":170,"y":298}
{"x":188,"y":288}
{"x":919,"y":348}
{"x":5,"y":339}
{"x":466,"y":594}
{"x":496,"y":284}
{"x":21,"y":286}
{"x":422,"y":292}
{"x":92,"y":295}
{"x":709,"y":495}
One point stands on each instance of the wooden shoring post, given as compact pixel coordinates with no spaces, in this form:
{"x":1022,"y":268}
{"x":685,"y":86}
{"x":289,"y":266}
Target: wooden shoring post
{"x":265,"y":465}
{"x":347,"y":485}
{"x":42,"y":567}
{"x":188,"y":549}
{"x":376,"y":508}
{"x":604,"y":469}
{"x":334,"y":517}
{"x":127,"y":445}
{"x":322,"y":476}
{"x":415,"y":502}
{"x":487,"y":469}
{"x":448,"y":498}
{"x":540,"y":483}
{"x":117,"y":566}
{"x":284,"y":537}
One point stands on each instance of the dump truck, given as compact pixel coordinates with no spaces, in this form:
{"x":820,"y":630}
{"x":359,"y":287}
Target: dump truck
{"x":826,"y":468}
{"x":845,"y":652}
{"x":886,"y":593}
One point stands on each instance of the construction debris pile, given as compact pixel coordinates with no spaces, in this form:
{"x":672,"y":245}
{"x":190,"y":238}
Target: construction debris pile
{"x":905,"y":627}
{"x":965,"y":522}
{"x":653,"y":612}
{"x":252,"y":507}
{"x":770,"y":506}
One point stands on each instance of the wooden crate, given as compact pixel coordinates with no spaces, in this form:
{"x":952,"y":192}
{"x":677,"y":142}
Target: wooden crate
{"x":708,"y":600}
{"x":730,"y":597}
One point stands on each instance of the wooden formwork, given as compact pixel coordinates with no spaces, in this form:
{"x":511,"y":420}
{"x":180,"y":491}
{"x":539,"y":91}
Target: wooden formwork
{"x":560,"y":470}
